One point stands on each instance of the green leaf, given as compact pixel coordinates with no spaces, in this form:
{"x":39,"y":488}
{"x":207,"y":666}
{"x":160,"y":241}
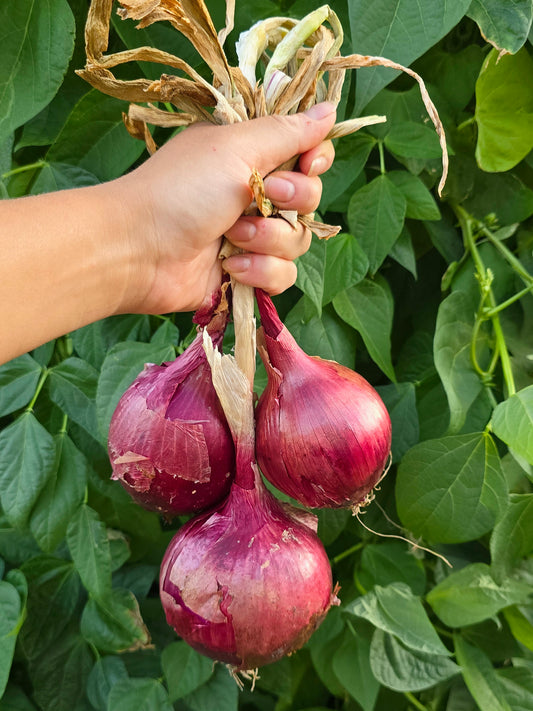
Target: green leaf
{"x":329,"y":267}
{"x":351,"y":155}
{"x":331,"y":523}
{"x":401,"y":31}
{"x":375,"y":216}
{"x":53,"y":591}
{"x":480,"y":676}
{"x":385,"y":563}
{"x":28,"y":456}
{"x":397,"y":667}
{"x":220,"y":693}
{"x":451,"y":489}
{"x":400,"y":401}
{"x":166,"y":335}
{"x":352,"y":668}
{"x":512,"y":422}
{"x":122,"y":365}
{"x":185,"y":669}
{"x":517,"y":684}
{"x":504,"y":110}
{"x":368,"y":308}
{"x":403,"y":252}
{"x":106,"y":672}
{"x":421,"y":204}
{"x":113,"y":623}
{"x":63,"y":494}
{"x":36,"y":42}
{"x":140,"y":694}
{"x":394,"y":609}
{"x":451,"y":348}
{"x":10,"y":611}
{"x":504,"y":25}
{"x":413,"y":140}
{"x":471,"y":595}
{"x":18,"y":380}
{"x":512,"y":537}
{"x":503,"y":195}
{"x":94,"y":138}
{"x":90,"y":344}
{"x":327,"y":336}
{"x":89,"y":546}
{"x":59,"y":677}
{"x":61,"y":176}
{"x":72,"y":387}
{"x":520,"y":621}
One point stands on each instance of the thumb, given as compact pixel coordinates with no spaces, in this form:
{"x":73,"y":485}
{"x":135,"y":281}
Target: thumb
{"x":272,"y":140}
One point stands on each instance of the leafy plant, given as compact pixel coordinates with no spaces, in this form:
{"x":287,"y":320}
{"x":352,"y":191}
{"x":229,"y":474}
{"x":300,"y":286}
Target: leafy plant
{"x":432,"y":299}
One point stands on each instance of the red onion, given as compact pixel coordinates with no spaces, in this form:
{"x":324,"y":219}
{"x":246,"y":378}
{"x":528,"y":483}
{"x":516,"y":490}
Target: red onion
{"x":169,"y":443}
{"x":323,"y":434}
{"x":249,"y":581}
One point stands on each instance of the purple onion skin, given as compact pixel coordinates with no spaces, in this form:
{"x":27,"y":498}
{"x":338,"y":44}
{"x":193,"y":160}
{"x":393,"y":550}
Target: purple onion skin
{"x":323,"y":434}
{"x":246,"y":583}
{"x":169,"y":443}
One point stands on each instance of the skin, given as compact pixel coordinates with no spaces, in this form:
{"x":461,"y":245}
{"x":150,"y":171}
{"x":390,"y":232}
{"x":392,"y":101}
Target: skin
{"x":148,"y":242}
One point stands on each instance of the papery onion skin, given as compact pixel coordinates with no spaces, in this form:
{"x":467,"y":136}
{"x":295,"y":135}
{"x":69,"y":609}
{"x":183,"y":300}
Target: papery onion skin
{"x":323,"y":434}
{"x":246,"y":583}
{"x":169,"y":443}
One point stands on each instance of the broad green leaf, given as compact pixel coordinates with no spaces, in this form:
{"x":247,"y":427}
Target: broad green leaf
{"x":18,"y":380}
{"x":500,"y":194}
{"x":505,"y":25}
{"x":140,"y":694}
{"x":63,"y":494}
{"x":89,"y":344}
{"x":421,"y":204}
{"x":413,"y":140}
{"x":512,"y":537}
{"x":185,"y":669}
{"x":368,"y":308}
{"x":89,"y":546}
{"x":72,"y":387}
{"x":323,"y":645}
{"x":10,"y":610}
{"x":36,"y":42}
{"x":166,"y":335}
{"x":400,"y":668}
{"x":59,"y":677}
{"x":385,"y":563}
{"x":471,"y":595}
{"x":119,"y":548}
{"x":520,"y":621}
{"x":331,"y":523}
{"x":107,"y":671}
{"x":351,"y":154}
{"x":329,"y":267}
{"x":113,"y":623}
{"x":396,"y":610}
{"x":400,"y":31}
{"x":451,"y":489}
{"x":517,"y":684}
{"x":512,"y":422}
{"x":28,"y":456}
{"x":403,"y":252}
{"x":504,"y":110}
{"x":122,"y":365}
{"x":61,"y":176}
{"x":480,"y":676}
{"x":94,"y":138}
{"x":400,"y":401}
{"x":451,"y":348}
{"x":14,"y":699}
{"x":219,"y":693}
{"x":53,"y":592}
{"x":375,"y":216}
{"x":352,"y":667}
{"x":327,"y":337}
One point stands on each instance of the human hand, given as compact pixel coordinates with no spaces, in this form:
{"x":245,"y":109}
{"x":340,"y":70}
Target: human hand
{"x":195,"y":189}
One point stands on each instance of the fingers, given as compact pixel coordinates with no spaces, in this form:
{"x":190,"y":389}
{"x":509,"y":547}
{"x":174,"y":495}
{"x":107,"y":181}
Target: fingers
{"x":270,"y":236}
{"x":317,"y":160}
{"x":270,"y":273}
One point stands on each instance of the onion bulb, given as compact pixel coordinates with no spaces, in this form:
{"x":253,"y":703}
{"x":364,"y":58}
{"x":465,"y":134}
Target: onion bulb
{"x":323,"y":434}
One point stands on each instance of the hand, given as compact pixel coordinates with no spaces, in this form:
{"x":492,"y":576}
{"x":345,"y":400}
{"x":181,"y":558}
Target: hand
{"x":195,"y":189}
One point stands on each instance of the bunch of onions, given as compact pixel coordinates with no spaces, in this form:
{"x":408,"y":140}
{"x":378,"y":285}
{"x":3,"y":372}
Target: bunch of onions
{"x":249,"y":581}
{"x":169,"y":443}
{"x":323,"y":434}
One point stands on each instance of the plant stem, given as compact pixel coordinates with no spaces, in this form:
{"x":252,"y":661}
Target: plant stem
{"x":513,"y":261}
{"x":466,"y":122}
{"x":347,"y":552}
{"x":489,"y":313}
{"x":381,"y":158}
{"x":414,"y":701}
{"x":44,"y":375}
{"x":23,"y":168}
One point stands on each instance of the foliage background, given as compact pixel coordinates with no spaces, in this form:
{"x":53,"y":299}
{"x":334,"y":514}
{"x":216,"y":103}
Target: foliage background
{"x":430,"y":300}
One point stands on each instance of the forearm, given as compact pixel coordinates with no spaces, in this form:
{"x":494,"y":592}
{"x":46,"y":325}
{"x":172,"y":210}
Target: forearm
{"x":64,"y":264}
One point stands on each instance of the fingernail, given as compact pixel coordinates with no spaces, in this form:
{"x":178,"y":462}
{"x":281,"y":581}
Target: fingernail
{"x":247,"y":231}
{"x":279,"y":189}
{"x":318,"y":166}
{"x":237,"y":264}
{"x":320,"y":111}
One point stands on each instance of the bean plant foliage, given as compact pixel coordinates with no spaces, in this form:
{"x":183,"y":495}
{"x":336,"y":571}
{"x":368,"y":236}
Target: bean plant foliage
{"x":431,"y":299}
